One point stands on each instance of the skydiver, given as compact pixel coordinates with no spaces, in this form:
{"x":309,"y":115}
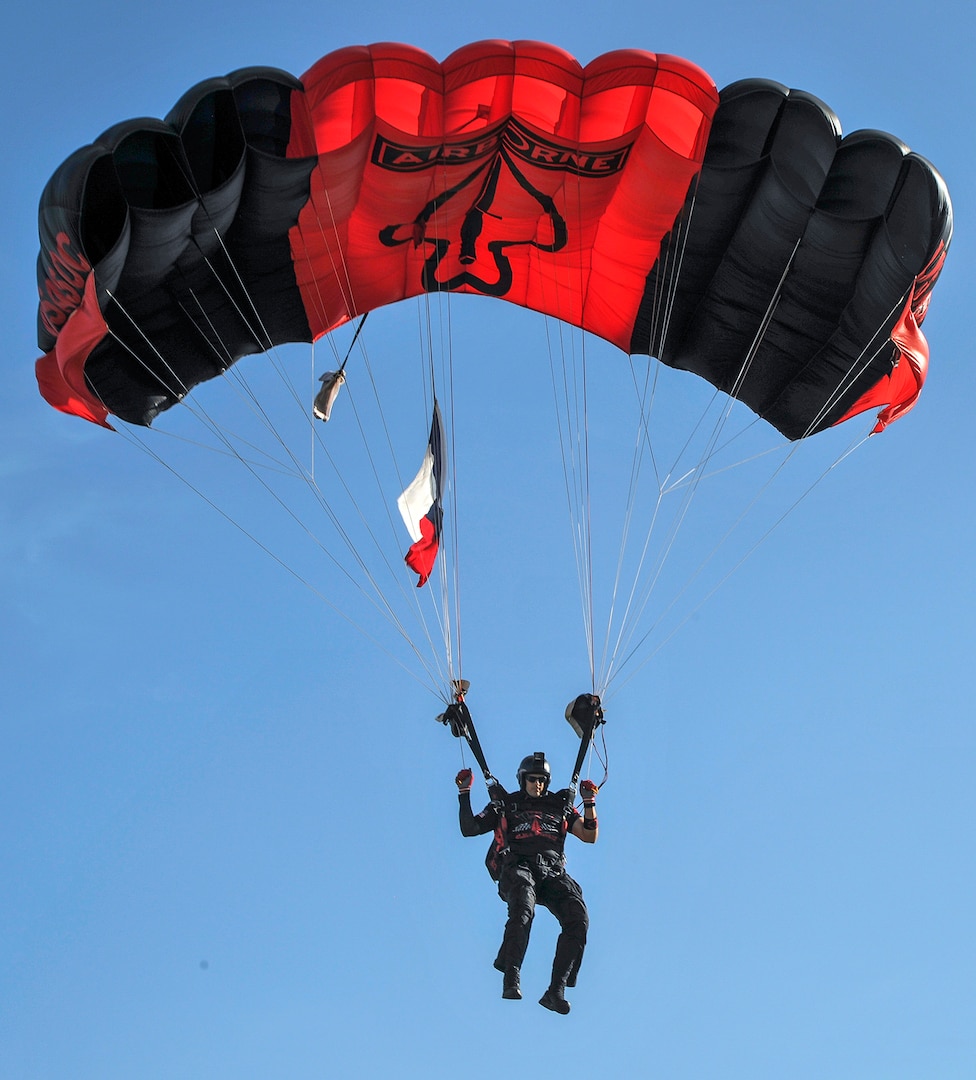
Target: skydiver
{"x":530,"y":830}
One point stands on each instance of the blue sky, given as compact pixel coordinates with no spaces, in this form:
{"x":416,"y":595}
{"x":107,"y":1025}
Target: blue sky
{"x":229,"y":830}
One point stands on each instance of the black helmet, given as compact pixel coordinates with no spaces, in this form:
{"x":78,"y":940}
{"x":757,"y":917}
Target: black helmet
{"x":534,"y":765}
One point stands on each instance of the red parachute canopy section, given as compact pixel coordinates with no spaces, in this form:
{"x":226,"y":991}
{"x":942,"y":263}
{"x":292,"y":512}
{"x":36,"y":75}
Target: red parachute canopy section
{"x":508,"y":171}
{"x":267,"y":209}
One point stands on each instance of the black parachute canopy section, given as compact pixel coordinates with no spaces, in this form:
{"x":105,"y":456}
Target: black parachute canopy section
{"x":800,"y":253}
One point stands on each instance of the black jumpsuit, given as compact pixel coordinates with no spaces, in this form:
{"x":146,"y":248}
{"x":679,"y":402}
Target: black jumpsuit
{"x":533,"y":869}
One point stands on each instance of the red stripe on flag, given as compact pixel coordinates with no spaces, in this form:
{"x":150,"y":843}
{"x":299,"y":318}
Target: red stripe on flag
{"x":421,"y":556}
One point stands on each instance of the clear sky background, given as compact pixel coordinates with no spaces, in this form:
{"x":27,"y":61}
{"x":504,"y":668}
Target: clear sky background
{"x":228,"y":822}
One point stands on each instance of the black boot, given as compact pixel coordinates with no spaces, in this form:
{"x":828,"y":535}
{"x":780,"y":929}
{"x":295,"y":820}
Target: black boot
{"x":510,"y":985}
{"x":554,"y":999}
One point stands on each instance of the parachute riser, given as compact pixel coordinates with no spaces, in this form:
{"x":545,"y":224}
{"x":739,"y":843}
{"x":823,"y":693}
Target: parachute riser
{"x":457,"y":718}
{"x":584,"y":715}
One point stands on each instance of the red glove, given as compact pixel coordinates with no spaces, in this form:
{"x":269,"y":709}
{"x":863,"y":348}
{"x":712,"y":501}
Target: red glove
{"x":588,"y":790}
{"x":463,"y":780}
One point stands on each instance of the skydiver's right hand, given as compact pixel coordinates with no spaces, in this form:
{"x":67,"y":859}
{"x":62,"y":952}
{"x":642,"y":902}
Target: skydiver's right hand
{"x":463,"y":780}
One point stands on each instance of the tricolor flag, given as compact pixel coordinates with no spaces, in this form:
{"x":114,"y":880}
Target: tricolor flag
{"x":420,"y":504}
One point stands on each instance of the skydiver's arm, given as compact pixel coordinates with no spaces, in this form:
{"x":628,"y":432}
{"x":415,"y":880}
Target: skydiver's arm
{"x":471,"y":824}
{"x":579,"y":829}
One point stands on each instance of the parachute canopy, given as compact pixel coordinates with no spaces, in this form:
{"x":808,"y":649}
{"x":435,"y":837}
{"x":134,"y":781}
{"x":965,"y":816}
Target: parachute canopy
{"x":736,"y":236}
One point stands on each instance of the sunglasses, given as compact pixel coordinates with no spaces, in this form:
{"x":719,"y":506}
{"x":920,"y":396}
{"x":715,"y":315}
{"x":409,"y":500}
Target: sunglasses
{"x":536,"y":779}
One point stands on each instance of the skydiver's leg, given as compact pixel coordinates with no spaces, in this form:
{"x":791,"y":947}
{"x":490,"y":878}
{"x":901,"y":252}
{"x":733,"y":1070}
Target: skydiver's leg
{"x":517,"y":888}
{"x":564,"y":898}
